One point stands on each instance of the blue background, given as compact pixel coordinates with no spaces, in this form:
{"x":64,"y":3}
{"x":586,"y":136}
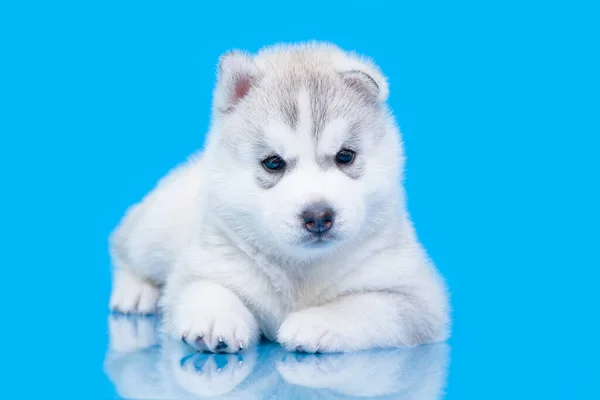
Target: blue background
{"x":499,"y":107}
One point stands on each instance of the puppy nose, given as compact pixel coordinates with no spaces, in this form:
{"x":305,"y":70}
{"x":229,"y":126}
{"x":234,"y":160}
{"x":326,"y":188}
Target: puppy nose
{"x":318,"y":218}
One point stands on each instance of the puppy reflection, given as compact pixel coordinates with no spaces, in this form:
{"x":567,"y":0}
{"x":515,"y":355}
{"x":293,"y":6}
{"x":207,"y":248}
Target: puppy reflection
{"x":417,"y":373}
{"x":142,"y":364}
{"x":132,"y":333}
{"x":231,"y":376}
{"x":133,"y":360}
{"x":212,"y":375}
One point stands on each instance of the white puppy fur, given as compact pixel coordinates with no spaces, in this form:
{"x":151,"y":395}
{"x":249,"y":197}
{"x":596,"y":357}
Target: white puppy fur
{"x":227,"y":241}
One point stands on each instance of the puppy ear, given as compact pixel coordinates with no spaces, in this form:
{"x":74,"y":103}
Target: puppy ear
{"x":236,"y":75}
{"x":363,"y":82}
{"x":362,"y":74}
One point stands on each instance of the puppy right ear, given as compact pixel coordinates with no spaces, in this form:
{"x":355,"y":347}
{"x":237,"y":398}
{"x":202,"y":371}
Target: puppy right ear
{"x":236,"y":75}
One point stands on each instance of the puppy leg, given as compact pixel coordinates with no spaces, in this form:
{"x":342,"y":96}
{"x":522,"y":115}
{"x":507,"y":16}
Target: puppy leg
{"x":363,"y":321}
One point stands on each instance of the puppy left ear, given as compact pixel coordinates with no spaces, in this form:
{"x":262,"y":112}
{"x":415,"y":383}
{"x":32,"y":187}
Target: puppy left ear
{"x":236,"y":75}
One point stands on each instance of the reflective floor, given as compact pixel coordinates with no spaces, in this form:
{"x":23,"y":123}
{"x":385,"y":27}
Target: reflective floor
{"x":142,"y":364}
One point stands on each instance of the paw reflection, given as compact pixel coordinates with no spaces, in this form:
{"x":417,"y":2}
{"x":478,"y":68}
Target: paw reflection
{"x":142,"y":364}
{"x":417,"y":373}
{"x":204,"y":374}
{"x":129,"y":333}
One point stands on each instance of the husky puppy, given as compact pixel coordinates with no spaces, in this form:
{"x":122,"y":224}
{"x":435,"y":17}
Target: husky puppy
{"x":291,"y":223}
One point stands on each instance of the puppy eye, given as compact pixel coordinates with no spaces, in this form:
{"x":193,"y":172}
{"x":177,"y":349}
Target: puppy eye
{"x":273,"y":163}
{"x":345,"y":156}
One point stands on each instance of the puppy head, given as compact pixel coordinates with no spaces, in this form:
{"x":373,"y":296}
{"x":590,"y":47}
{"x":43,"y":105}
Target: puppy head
{"x":304,"y":155}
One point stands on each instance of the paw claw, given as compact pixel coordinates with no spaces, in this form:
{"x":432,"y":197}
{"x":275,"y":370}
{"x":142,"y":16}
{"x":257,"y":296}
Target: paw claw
{"x":221,"y":346}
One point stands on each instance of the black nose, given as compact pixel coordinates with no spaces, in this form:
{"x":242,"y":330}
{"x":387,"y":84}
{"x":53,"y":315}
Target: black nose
{"x":318,"y":218}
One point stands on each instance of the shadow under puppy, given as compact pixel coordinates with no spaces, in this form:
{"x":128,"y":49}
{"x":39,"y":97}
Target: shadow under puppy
{"x":291,"y":222}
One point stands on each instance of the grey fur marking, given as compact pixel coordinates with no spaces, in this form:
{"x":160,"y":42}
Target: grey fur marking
{"x":326,"y":162}
{"x":267,"y":180}
{"x":354,"y":143}
{"x":289,"y":111}
{"x":320,"y":95}
{"x":356,"y":169}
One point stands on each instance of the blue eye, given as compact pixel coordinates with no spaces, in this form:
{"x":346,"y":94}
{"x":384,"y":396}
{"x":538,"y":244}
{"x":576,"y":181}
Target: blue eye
{"x":273,"y":164}
{"x":344,"y":156}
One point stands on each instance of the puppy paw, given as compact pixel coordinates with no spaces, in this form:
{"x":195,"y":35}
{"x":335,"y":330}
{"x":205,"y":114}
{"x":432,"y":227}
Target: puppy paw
{"x":212,"y":318}
{"x":132,"y":294}
{"x":313,"y":330}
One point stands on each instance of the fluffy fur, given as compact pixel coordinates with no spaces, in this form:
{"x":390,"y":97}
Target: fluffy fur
{"x":221,"y":239}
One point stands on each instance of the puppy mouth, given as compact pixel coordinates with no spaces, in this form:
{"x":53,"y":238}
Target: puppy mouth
{"x":318,"y":241}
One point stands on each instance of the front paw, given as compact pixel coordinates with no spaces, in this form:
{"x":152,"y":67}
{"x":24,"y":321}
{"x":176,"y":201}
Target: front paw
{"x":213,"y":319}
{"x":313,"y":330}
